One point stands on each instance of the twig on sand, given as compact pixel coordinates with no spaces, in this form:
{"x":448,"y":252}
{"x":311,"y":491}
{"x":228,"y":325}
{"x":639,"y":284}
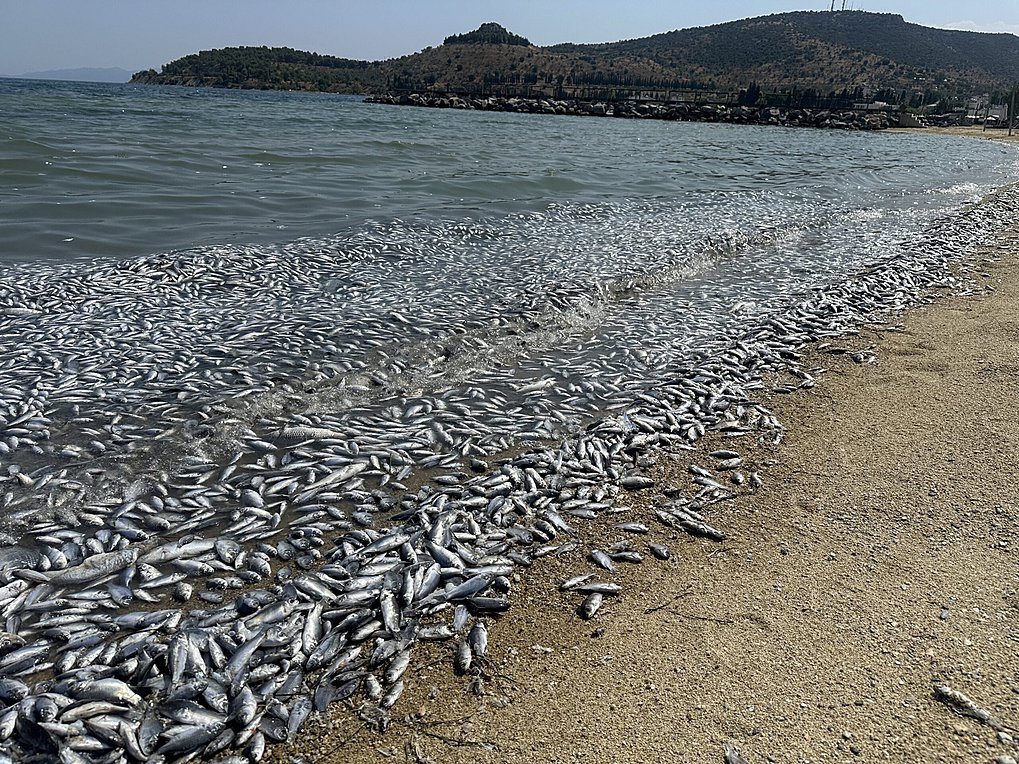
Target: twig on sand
{"x":488,"y":745}
{"x":723,"y":621}
{"x":962,"y":705}
{"x":357,"y":731}
{"x":421,"y":727}
{"x":666,"y":603}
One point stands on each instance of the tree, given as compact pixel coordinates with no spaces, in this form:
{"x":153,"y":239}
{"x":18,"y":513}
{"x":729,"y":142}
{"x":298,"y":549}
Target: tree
{"x":750,"y":96}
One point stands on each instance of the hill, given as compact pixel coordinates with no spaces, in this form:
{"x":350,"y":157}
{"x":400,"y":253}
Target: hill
{"x":855,"y":53}
{"x":829,"y":49}
{"x":264,"y":68}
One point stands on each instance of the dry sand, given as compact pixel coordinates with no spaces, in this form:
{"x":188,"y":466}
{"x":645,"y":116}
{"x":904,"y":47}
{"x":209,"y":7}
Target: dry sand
{"x":879,"y":558}
{"x":965,"y":131}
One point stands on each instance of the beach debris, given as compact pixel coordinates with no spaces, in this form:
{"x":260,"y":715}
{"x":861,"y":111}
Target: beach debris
{"x":963,"y":706}
{"x":731,"y":754}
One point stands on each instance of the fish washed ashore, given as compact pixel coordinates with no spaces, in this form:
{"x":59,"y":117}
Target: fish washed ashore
{"x":339,"y":570}
{"x":876,"y":566}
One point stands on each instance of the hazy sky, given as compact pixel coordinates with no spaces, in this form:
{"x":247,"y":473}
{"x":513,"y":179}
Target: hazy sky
{"x":138,"y":34}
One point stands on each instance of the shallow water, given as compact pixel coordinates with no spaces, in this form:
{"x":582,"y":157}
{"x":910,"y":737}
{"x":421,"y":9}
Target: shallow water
{"x":202,"y":262}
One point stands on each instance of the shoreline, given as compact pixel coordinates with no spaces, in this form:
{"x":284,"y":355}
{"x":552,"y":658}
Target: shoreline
{"x":971,"y":131}
{"x":874,"y":562}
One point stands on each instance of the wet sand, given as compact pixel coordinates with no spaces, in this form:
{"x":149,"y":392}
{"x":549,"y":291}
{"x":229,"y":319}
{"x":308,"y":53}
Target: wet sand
{"x":878,"y":559}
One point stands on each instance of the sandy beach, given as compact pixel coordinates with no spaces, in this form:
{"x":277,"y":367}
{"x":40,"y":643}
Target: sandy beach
{"x":877,"y":560}
{"x":966,"y":131}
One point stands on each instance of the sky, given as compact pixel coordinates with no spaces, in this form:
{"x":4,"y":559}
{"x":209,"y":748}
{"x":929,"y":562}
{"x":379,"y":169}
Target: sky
{"x":37,"y":35}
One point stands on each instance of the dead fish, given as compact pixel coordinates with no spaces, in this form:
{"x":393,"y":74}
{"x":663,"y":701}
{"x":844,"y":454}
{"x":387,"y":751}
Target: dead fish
{"x":731,"y":754}
{"x":697,"y":528}
{"x":463,"y":656}
{"x":602,"y":560}
{"x":590,"y":606}
{"x":478,"y":640}
{"x":572,"y":583}
{"x":95,"y":567}
{"x":599,"y":587}
{"x":659,"y":551}
{"x":9,"y":642}
{"x":627,"y":555}
{"x":636,"y":482}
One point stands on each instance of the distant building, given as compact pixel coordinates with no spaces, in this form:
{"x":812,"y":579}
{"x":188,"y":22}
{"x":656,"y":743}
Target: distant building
{"x":980,"y":107}
{"x":876,"y":106}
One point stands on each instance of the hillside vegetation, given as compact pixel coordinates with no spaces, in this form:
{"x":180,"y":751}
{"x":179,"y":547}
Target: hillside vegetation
{"x":853,"y":53}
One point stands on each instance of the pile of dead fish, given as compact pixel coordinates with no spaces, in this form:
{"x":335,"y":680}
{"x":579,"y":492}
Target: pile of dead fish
{"x":216,"y":599}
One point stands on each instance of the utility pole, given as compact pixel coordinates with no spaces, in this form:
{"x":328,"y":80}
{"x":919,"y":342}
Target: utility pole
{"x":1011,"y":112}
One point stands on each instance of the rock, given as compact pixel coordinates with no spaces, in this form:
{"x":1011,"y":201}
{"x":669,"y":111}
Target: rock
{"x":845,"y":120}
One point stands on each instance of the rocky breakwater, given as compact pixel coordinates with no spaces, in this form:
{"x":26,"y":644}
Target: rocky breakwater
{"x":748,"y":115}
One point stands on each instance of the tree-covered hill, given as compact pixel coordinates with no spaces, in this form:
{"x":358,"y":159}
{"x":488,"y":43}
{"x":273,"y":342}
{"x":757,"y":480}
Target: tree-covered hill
{"x":264,"y":68}
{"x":848,"y":51}
{"x":824,"y":49}
{"x":490,"y":33}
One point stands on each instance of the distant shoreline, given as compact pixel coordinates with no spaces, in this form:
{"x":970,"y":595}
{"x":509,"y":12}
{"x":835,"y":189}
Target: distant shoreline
{"x":112,"y":75}
{"x":970,"y":131}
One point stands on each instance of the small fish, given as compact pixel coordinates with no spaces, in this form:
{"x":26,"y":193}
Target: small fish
{"x":572,"y":583}
{"x":599,"y":587}
{"x":590,"y":606}
{"x":660,"y":551}
{"x":602,"y":560}
{"x":698,"y":528}
{"x":478,"y":640}
{"x":724,"y":454}
{"x":636,"y":482}
{"x":732,"y":755}
{"x":963,"y":706}
{"x":95,"y":567}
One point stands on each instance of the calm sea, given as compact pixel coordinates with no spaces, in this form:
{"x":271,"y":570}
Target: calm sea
{"x":95,"y":170}
{"x":186,"y":267}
